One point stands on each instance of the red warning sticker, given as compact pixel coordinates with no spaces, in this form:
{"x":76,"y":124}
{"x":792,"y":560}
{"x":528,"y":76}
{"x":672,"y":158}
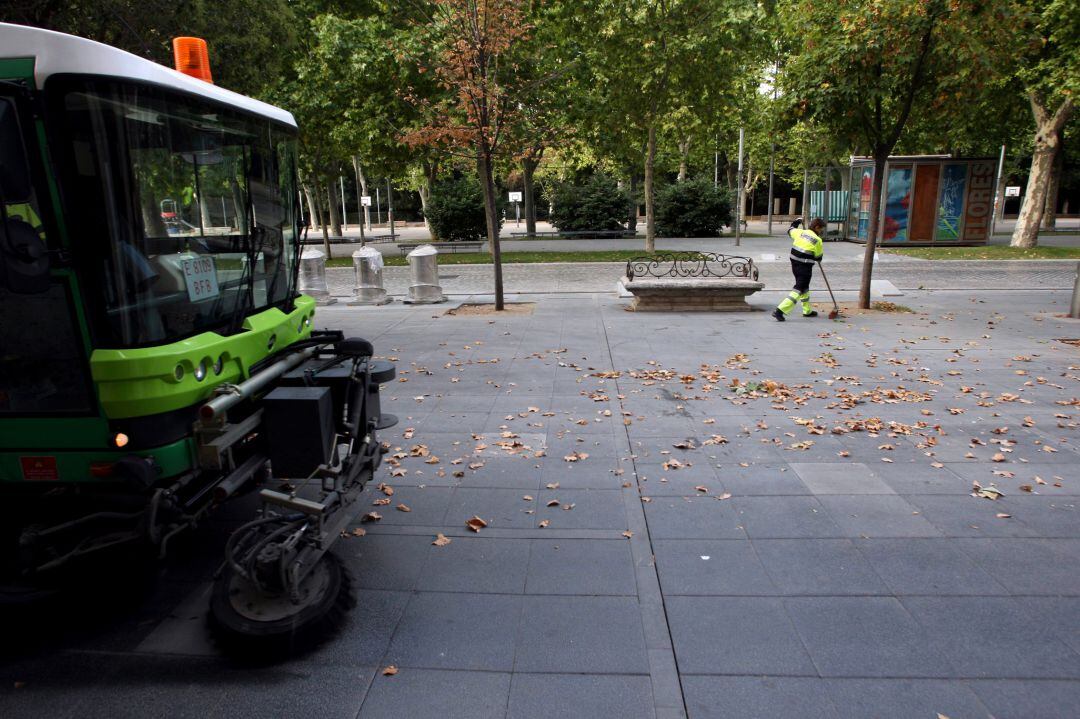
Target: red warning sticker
{"x":39,"y":468}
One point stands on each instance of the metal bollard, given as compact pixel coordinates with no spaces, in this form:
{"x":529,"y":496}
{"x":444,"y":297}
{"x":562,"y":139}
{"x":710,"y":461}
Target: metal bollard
{"x":368,"y":266}
{"x":425,"y":289}
{"x":1074,"y":307}
{"x":313,"y":276}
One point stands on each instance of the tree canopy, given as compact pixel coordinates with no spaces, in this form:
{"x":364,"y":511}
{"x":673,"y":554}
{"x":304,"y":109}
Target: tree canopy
{"x":648,"y":92}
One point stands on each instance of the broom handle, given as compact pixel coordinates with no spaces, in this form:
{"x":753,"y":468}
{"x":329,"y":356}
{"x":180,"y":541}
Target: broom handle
{"x":827,"y":286}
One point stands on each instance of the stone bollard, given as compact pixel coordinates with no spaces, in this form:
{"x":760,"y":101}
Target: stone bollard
{"x":313,"y":276}
{"x":368,"y":266}
{"x":424,"y":266}
{"x":1074,"y":306}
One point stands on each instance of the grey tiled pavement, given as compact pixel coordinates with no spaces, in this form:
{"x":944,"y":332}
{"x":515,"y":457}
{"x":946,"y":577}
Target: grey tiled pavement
{"x":764,"y":577}
{"x":843,"y":273}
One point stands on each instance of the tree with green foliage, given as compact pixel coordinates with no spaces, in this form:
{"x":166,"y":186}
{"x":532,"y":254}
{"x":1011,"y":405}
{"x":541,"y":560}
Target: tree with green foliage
{"x":251,"y":41}
{"x":649,"y":59}
{"x":475,"y":40}
{"x":865,"y":67}
{"x":1050,"y":71}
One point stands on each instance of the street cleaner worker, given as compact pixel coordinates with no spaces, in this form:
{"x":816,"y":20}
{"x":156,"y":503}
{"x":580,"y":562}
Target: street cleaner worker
{"x":806,"y":249}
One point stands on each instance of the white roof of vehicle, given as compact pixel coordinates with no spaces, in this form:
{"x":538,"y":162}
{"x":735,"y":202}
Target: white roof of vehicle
{"x":56,"y":53}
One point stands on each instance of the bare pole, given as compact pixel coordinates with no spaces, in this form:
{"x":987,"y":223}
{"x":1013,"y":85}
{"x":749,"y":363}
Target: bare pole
{"x":390,"y":207}
{"x":828,"y":191}
{"x":772,"y":161}
{"x":344,"y":216}
{"x":739,"y":193}
{"x":999,"y":198}
{"x":359,"y":202}
{"x":805,"y":193}
{"x":378,"y":206}
{"x":716,"y":167}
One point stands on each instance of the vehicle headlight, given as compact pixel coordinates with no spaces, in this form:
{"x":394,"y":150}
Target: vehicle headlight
{"x":219,"y":365}
{"x":271,"y":342}
{"x":179,"y":372}
{"x":200,"y":371}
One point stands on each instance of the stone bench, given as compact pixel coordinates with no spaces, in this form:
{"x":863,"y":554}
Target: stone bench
{"x":691,"y":282}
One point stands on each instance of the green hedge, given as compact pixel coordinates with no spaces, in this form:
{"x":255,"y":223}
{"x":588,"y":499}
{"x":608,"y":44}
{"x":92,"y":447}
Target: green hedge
{"x":692,"y":208}
{"x":595,"y":204}
{"x":456,"y":210}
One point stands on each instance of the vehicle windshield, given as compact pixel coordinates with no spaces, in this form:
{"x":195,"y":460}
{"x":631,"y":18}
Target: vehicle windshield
{"x":181,"y":211}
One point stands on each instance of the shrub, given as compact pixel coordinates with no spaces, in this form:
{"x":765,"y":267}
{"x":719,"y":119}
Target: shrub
{"x":456,"y":210}
{"x":693,"y":208}
{"x":595,"y":204}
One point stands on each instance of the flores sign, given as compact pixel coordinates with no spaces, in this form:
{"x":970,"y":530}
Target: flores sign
{"x":980,"y":202}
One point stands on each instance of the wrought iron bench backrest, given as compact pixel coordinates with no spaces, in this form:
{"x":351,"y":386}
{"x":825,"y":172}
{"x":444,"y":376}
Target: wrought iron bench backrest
{"x":691,"y":264}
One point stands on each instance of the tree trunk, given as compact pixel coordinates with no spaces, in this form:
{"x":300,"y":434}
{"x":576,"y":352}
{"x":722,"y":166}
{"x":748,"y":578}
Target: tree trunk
{"x":334,"y":199}
{"x":153,"y":224}
{"x":650,"y":208}
{"x":880,"y":158}
{"x":362,"y":180}
{"x":1050,"y":209}
{"x":528,"y":169}
{"x":427,"y":187}
{"x":319,"y":217}
{"x":684,"y":158}
{"x":1047,"y":139}
{"x":487,"y":184}
{"x":204,"y":213}
{"x":237,"y":200}
{"x":631,"y":220}
{"x":312,"y":215}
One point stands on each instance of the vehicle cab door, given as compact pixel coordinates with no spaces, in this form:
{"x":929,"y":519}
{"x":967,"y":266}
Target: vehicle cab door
{"x":43,"y":346}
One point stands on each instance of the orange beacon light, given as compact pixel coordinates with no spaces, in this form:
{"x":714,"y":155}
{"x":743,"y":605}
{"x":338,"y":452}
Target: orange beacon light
{"x":191,"y":57}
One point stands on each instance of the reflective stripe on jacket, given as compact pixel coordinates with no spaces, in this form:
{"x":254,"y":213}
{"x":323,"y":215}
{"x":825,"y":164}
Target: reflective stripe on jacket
{"x":806,"y":246}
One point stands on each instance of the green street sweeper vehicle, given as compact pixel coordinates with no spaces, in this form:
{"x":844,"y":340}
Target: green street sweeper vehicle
{"x":156,"y":357}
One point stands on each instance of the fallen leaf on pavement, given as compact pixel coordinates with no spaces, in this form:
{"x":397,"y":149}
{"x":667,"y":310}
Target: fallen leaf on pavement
{"x":389,"y":671}
{"x":475,"y":524}
{"x":441,"y":540}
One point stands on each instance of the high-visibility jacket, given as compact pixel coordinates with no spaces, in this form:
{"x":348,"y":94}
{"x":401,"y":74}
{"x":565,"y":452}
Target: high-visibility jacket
{"x":806,"y":246}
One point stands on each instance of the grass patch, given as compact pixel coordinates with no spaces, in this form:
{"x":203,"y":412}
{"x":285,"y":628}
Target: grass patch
{"x":639,"y":236}
{"x":991,"y":252}
{"x":509,"y":258}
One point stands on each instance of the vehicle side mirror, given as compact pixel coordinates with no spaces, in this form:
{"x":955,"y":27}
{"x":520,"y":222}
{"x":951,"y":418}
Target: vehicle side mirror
{"x":24,"y":258}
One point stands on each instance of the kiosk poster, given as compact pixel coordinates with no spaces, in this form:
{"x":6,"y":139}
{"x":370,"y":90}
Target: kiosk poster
{"x":980,"y":202}
{"x":951,"y":204}
{"x":897,"y":205}
{"x":866,"y":187}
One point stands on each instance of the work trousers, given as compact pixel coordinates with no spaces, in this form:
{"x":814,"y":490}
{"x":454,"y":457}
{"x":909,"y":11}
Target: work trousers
{"x":804,"y":272}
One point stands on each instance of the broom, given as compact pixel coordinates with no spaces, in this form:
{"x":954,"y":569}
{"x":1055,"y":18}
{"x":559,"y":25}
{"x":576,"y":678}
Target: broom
{"x":835,"y":311}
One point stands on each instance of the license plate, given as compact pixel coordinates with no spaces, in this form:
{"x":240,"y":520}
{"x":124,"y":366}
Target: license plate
{"x":200,"y":275}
